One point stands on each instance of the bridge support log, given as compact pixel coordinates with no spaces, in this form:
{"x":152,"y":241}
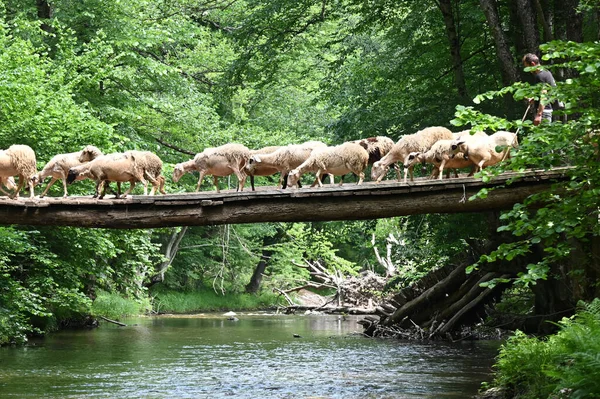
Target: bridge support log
{"x":349,"y":202}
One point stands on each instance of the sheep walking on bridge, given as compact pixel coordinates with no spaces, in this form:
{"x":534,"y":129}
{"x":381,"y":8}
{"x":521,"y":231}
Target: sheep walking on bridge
{"x":18,"y":160}
{"x":284,"y":159}
{"x":218,"y":162}
{"x":420,"y":141}
{"x":151,"y":166}
{"x":115,"y":167}
{"x":339,"y":160}
{"x":58,"y":167}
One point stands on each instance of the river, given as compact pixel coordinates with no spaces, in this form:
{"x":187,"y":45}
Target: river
{"x":257,"y":356}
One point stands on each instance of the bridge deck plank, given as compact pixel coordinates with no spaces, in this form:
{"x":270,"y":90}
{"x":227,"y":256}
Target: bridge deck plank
{"x":346,"y":202}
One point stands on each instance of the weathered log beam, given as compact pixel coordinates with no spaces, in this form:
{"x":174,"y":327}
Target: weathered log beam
{"x":349,"y":202}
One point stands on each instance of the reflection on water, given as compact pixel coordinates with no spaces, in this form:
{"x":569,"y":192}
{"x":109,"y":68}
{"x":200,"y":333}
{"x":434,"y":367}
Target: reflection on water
{"x":257,"y":356}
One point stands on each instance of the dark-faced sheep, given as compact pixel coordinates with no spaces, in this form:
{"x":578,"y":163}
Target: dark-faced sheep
{"x":19,"y":160}
{"x":116,"y":167}
{"x":260,"y":169}
{"x":218,"y":162}
{"x":339,"y":160}
{"x":417,"y":142}
{"x":58,"y":167}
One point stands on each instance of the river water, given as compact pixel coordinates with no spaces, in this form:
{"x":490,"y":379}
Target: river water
{"x":257,"y":356}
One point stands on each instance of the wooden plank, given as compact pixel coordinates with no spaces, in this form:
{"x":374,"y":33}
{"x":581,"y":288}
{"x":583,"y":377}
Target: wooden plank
{"x":349,"y":202}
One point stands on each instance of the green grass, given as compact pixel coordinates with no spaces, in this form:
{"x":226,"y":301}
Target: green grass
{"x":115,"y":307}
{"x":165,"y":301}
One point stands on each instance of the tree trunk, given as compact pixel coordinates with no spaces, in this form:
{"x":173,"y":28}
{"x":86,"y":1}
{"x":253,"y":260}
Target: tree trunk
{"x":44,"y":12}
{"x":545,"y":17}
{"x":527,"y":18}
{"x":450,"y":21}
{"x":508,"y":69}
{"x":574,"y":21}
{"x":170,"y":251}
{"x":254,"y":285}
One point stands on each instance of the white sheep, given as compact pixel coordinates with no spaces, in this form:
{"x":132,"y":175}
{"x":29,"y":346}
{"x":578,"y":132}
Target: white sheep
{"x":339,"y":160}
{"x":18,"y":160}
{"x":285,"y":159}
{"x":219,"y":162}
{"x":482,"y":150}
{"x":260,"y":169}
{"x":117,"y":167}
{"x":151,"y":165}
{"x":441,"y":156}
{"x":420,"y":141}
{"x":58,"y":167}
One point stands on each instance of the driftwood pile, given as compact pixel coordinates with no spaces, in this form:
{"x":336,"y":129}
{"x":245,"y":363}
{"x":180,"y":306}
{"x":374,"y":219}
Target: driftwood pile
{"x":352,"y":294}
{"x":439,"y":305}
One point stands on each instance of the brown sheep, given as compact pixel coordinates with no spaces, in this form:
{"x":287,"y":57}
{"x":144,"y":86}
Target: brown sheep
{"x":116,"y":167}
{"x":19,"y":160}
{"x":257,"y":169}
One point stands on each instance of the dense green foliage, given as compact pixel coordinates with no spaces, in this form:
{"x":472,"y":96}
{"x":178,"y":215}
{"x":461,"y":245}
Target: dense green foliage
{"x":565,"y":365}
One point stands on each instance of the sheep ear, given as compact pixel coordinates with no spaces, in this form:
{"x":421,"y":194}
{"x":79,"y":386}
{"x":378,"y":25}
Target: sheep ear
{"x":257,"y":159}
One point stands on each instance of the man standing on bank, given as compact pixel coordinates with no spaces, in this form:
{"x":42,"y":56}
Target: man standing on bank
{"x":542,"y":111}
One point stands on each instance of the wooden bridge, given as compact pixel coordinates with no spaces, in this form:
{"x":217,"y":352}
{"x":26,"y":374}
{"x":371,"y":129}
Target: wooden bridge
{"x":348,"y":202}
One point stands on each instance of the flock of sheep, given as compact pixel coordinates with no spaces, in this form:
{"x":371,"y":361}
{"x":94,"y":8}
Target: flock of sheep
{"x":435,"y":145}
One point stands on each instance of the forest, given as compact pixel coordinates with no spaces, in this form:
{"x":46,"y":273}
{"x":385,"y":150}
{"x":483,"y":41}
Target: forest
{"x":177,"y":76}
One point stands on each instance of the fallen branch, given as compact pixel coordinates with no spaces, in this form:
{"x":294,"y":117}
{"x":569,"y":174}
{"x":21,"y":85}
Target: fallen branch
{"x":113,"y":321}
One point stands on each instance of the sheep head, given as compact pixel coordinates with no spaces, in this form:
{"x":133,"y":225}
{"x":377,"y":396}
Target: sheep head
{"x":88,"y":153}
{"x":378,"y":170}
{"x":77,"y":174}
{"x":178,"y":171}
{"x":413,"y":158}
{"x":36,"y":179}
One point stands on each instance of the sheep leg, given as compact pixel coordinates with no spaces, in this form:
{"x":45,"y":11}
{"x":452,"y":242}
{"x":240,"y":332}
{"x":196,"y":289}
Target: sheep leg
{"x":252,"y":182}
{"x":160,"y":186}
{"x":52,"y":181}
{"x":31,"y":188}
{"x":132,"y":183}
{"x":408,"y":171}
{"x":152,"y":180}
{"x":241,"y":180}
{"x":318,"y":178}
{"x":216,"y":181}
{"x":441,"y":168}
{"x":361,"y":178}
{"x":15,"y":195}
{"x":398,"y":171}
{"x":99,"y":186}
{"x":4,"y":192}
{"x":200,"y":180}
